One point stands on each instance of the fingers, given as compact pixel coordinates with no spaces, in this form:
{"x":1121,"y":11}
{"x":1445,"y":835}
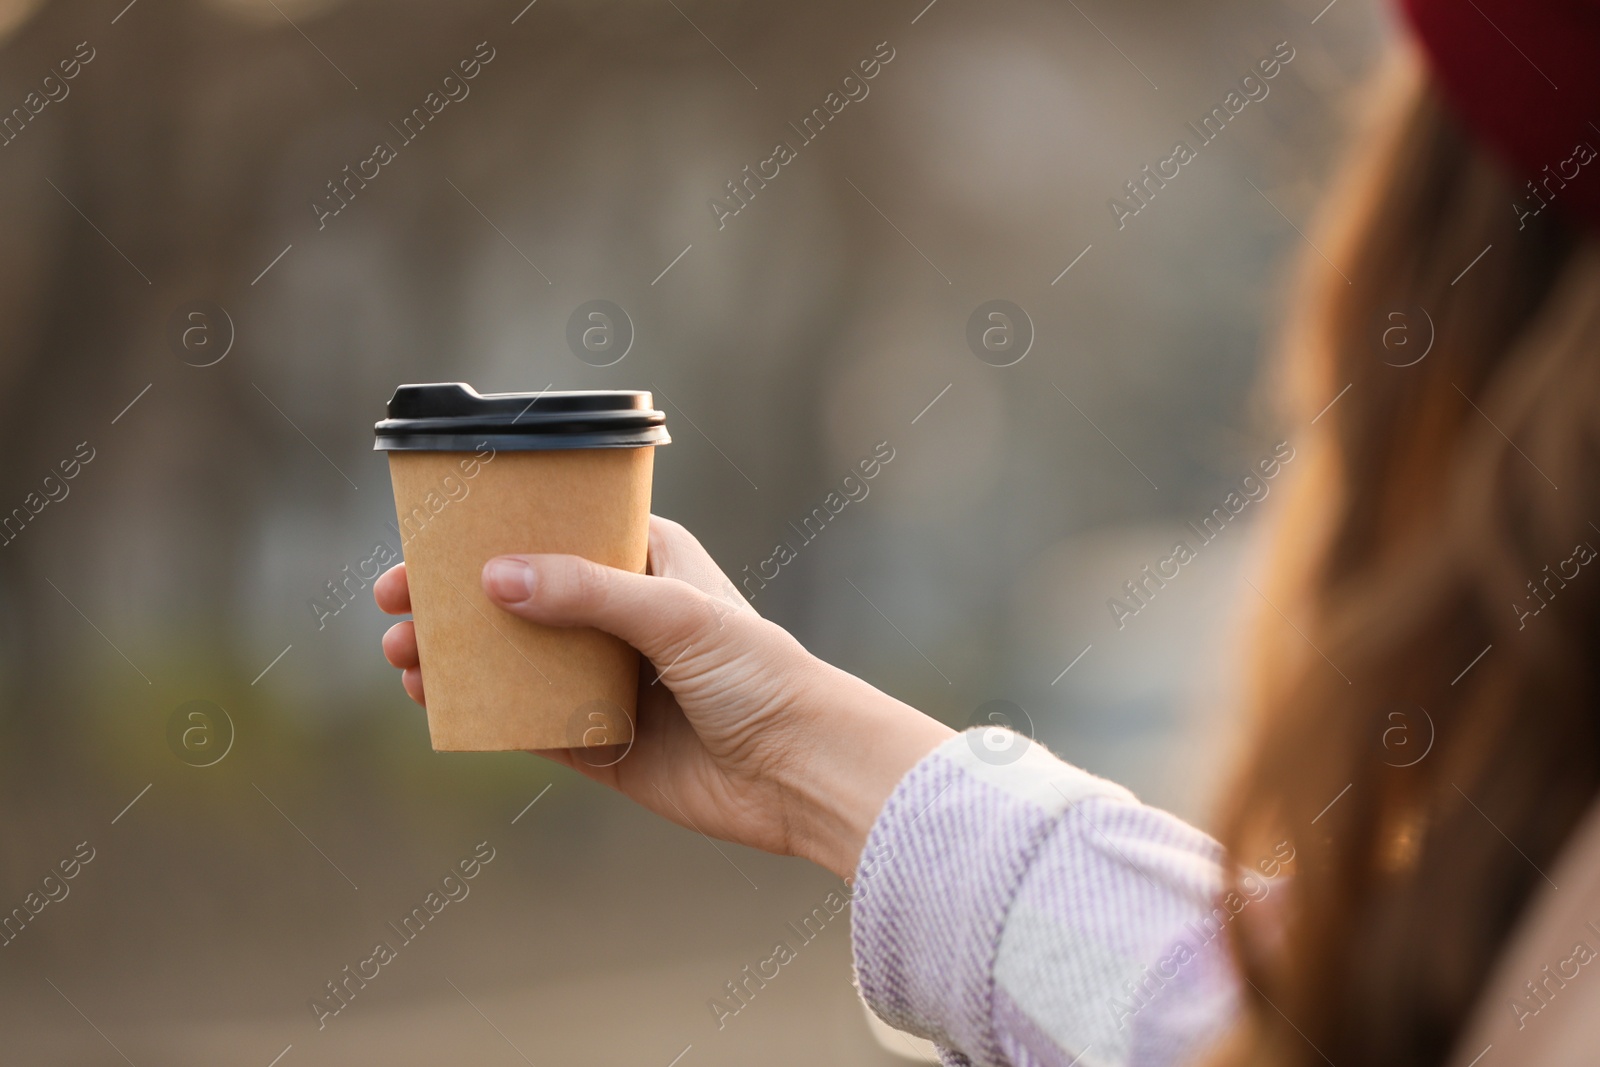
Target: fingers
{"x":400,"y":649}
{"x":400,"y":646}
{"x":392,"y":592}
{"x":412,"y":680}
{"x":400,"y":642}
{"x":677,"y":553}
{"x":685,"y":596}
{"x":658,"y":616}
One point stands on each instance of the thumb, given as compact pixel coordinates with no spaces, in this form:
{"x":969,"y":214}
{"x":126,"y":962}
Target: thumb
{"x":661,"y":617}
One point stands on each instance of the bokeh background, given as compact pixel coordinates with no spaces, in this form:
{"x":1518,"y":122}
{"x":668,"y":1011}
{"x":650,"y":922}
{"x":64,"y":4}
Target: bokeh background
{"x":829,"y":315}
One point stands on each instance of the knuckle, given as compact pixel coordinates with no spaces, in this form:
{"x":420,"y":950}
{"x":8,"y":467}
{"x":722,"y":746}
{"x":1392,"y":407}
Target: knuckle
{"x":672,"y":538}
{"x":676,"y":536}
{"x":577,"y":584}
{"x":589,"y":583}
{"x":685,"y":614}
{"x":711,"y":616}
{"x":667,"y":528}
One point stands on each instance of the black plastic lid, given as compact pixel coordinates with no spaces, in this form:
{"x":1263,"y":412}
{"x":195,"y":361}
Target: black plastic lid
{"x":454,"y":417}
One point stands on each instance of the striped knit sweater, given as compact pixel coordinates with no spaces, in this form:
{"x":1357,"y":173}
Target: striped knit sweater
{"x":1017,"y":910}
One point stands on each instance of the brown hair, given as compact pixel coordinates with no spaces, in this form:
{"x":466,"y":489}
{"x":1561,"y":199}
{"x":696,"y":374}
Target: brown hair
{"x":1439,"y":501}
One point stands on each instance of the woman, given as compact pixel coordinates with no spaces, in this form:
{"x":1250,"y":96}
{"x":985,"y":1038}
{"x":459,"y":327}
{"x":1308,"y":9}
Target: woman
{"x":1018,"y":910}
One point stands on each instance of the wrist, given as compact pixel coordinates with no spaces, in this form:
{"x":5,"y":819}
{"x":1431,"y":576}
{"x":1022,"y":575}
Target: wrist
{"x":864,"y":744}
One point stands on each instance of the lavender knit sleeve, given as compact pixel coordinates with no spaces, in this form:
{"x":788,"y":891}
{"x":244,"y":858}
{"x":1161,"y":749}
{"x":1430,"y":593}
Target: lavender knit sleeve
{"x":1029,"y":913}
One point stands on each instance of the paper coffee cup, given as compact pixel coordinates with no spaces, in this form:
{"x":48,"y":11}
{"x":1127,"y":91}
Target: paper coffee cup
{"x":483,"y":475}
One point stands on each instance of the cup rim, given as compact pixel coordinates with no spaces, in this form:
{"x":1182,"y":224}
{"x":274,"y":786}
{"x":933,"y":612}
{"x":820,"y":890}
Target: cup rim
{"x":455,"y":417}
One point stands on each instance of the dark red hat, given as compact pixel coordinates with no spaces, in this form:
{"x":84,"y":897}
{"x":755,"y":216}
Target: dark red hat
{"x":1525,"y":77}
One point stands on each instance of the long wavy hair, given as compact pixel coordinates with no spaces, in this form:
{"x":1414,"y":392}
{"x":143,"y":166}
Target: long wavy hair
{"x":1427,"y":731}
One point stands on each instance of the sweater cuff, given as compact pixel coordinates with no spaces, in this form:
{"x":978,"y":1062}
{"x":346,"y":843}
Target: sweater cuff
{"x":941,"y":867}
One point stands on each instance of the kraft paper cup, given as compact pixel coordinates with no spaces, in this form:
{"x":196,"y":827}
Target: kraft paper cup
{"x":477,"y":476}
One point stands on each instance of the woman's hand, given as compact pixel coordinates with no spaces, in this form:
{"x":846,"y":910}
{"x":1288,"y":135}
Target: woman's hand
{"x":741,"y":733}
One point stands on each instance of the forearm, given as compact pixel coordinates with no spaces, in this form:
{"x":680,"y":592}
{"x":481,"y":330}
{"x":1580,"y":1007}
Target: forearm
{"x":865,"y":743}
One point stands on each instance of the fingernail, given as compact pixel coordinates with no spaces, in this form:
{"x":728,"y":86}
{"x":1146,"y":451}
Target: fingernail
{"x":508,"y":580}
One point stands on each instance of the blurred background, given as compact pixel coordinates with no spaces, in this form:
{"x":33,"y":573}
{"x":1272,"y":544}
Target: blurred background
{"x":232,"y":478}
